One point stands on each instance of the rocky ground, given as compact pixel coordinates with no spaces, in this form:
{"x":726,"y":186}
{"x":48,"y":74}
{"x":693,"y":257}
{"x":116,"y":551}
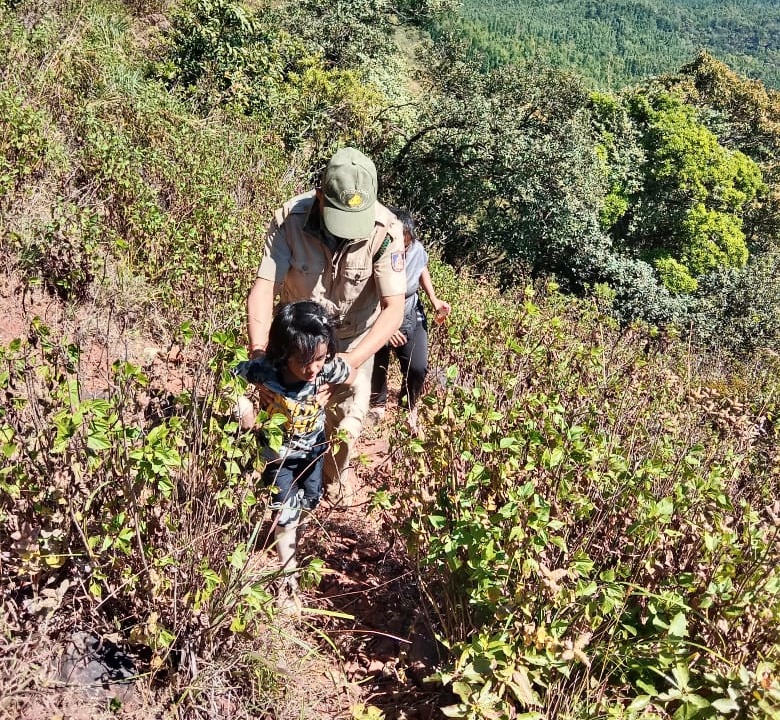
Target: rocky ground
{"x":385,"y":646}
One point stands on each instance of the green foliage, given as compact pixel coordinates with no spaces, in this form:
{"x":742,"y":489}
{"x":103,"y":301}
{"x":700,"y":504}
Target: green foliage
{"x":620,"y":152}
{"x":698,"y":208}
{"x":646,"y":199}
{"x":741,"y":308}
{"x":684,"y":203}
{"x":675,"y":276}
{"x":169,"y":205}
{"x":320,"y":103}
{"x":508,"y":178}
{"x":744,"y":115}
{"x":235,"y":58}
{"x":63,"y":252}
{"x":348,"y":35}
{"x":712,"y":239}
{"x":617,"y":43}
{"x":494,"y":167}
{"x":591,"y":523}
{"x":422,"y":11}
{"x":148,"y":516}
{"x":267,"y":64}
{"x":172,"y":202}
{"x":742,"y":112}
{"x":687,"y":156}
{"x":615,"y":207}
{"x":24,"y":147}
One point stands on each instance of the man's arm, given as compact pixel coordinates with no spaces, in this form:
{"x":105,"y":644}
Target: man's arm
{"x":259,"y":312}
{"x":388,"y":321}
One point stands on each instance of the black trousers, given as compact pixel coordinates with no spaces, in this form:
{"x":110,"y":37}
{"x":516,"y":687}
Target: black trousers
{"x":294,"y":474}
{"x":413,"y":358}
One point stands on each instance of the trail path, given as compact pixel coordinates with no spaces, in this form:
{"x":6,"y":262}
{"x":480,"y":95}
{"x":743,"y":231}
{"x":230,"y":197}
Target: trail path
{"x":385,"y":646}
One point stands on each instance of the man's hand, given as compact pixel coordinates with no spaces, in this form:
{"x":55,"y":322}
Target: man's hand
{"x":390,"y":318}
{"x":265,"y":395}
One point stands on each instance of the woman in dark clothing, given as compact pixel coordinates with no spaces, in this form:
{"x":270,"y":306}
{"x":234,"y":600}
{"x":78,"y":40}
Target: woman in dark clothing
{"x":410,"y":341}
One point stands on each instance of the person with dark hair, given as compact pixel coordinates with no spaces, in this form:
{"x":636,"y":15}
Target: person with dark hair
{"x":337,"y":245}
{"x":299,"y":360}
{"x":410,"y":341}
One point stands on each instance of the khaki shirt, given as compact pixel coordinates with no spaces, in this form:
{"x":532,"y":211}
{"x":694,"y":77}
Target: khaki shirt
{"x":348,"y":282}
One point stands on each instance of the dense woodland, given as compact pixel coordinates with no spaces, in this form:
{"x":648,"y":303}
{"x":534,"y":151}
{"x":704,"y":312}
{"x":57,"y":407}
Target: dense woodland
{"x":591,"y":516}
{"x":615,"y":43}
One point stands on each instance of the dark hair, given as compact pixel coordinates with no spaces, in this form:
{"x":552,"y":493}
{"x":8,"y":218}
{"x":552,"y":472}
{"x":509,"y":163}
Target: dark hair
{"x":406,"y":219}
{"x":299,"y":328}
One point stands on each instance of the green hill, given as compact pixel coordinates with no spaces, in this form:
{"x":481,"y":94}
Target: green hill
{"x":617,"y":43}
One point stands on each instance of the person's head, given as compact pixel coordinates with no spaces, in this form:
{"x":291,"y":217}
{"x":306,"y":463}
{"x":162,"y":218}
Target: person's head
{"x":347,"y":191}
{"x":302,"y":338}
{"x":410,"y":227}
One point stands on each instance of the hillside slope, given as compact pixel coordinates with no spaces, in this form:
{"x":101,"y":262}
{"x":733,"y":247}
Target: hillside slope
{"x":588,"y":523}
{"x":617,"y":43}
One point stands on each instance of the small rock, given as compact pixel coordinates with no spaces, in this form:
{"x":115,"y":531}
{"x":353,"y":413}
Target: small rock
{"x":99,"y":666}
{"x":376,"y":667}
{"x":351,"y":668}
{"x":150,"y":354}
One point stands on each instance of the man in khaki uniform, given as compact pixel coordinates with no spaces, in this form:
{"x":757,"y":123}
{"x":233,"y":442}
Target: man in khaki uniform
{"x":339,"y":246}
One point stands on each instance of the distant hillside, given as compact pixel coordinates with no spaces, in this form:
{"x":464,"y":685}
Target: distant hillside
{"x":618,"y":42}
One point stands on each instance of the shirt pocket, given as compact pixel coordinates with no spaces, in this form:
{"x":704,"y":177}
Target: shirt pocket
{"x":304,"y":279}
{"x":308,"y":265}
{"x":355,"y":276}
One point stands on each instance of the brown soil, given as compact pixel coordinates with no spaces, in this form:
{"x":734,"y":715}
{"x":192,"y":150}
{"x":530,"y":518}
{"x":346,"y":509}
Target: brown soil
{"x":385,"y":645}
{"x":362,"y":638}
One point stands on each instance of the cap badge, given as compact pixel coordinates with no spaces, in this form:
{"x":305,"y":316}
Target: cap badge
{"x":355,"y":200}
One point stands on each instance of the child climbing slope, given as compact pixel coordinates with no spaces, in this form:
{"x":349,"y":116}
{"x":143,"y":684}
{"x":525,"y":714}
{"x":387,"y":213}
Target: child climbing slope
{"x":299,"y":361}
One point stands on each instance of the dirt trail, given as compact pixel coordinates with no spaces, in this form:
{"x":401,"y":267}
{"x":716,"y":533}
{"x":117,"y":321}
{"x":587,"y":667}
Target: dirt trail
{"x":385,"y":646}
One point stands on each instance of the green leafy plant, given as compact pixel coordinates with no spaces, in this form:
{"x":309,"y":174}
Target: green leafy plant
{"x":24,"y":147}
{"x":63,"y":253}
{"x":140,"y":517}
{"x":576,"y":532}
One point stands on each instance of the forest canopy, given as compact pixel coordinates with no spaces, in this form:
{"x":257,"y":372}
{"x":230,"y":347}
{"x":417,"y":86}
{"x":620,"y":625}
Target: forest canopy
{"x":658,"y":195}
{"x":661,"y":199}
{"x":617,"y":42}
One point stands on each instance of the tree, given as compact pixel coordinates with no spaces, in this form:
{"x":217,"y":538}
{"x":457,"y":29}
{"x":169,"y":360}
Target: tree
{"x":686,"y":200}
{"x":745,"y":116}
{"x":259,"y":64}
{"x":500,"y":164}
{"x":739,"y":309}
{"x":505,"y":174}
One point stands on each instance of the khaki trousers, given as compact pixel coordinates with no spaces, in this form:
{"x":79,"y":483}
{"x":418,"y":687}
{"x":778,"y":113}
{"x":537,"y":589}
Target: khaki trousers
{"x":344,"y":417}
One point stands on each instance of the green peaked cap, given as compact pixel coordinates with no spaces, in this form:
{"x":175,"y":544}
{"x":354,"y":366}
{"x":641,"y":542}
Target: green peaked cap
{"x":349,"y":187}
